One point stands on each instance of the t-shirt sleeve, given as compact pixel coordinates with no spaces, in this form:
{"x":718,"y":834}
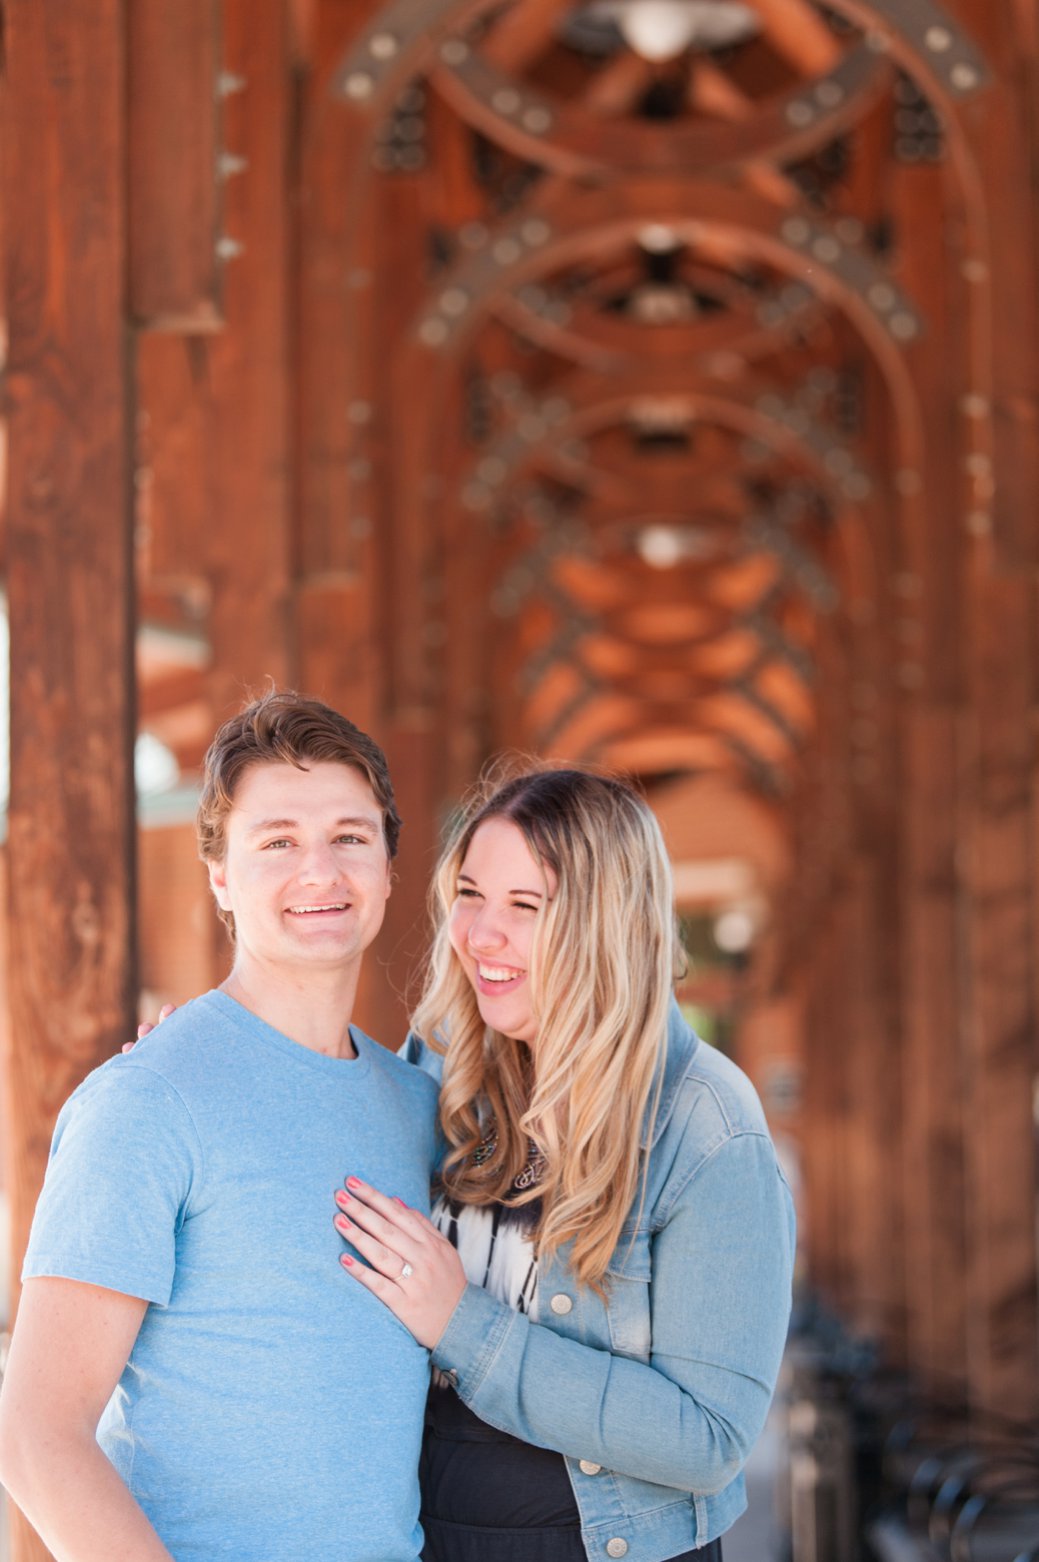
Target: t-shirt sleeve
{"x":124,"y":1162}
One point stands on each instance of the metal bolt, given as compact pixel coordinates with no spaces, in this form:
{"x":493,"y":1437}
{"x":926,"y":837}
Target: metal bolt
{"x":537,"y":120}
{"x":904,"y":326}
{"x":796,"y":231}
{"x":964,"y":77}
{"x":227,"y":84}
{"x":383,"y":46}
{"x":359,"y":85}
{"x":454,"y":301}
{"x":230,"y":163}
{"x":228,"y":248}
{"x":535,"y":231}
{"x":938,"y":39}
{"x":433,"y":331}
{"x":882,"y":296}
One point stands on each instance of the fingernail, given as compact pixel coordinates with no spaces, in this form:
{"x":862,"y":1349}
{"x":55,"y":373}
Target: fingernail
{"x":342,"y":1199}
{"x":347,"y":1261}
{"x":354,"y":1182}
{"x":399,"y":1201}
{"x":341,"y":1223}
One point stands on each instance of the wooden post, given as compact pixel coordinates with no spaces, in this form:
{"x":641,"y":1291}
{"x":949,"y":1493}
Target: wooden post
{"x":70,"y":851}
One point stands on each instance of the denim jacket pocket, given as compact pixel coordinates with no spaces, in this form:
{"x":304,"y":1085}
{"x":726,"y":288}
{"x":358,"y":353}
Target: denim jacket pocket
{"x":627,"y":1306}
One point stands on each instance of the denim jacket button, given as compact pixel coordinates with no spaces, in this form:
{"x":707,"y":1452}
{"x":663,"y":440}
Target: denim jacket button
{"x":586,"y":1467}
{"x":562,"y":1304}
{"x":452,"y":1377}
{"x":617,"y":1548}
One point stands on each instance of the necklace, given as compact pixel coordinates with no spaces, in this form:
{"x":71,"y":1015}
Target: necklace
{"x":532,"y":1172}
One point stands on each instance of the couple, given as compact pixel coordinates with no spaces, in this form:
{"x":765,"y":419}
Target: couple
{"x":236,"y":1280}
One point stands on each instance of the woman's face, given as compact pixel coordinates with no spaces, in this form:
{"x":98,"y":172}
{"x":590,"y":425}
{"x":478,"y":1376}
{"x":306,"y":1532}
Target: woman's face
{"x":499,"y":892}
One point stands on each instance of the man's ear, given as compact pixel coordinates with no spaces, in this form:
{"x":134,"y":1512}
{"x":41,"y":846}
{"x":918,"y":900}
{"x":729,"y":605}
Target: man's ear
{"x":218,"y":884}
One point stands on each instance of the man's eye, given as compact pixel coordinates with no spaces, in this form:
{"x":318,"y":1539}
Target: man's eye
{"x":273,"y":845}
{"x":353,"y":840}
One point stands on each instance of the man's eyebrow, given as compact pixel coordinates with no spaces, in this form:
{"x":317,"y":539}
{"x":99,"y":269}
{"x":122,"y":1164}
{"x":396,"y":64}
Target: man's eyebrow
{"x":263,"y":825}
{"x":536,"y":892}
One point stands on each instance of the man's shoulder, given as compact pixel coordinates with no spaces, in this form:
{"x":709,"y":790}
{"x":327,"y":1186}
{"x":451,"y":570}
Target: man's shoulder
{"x":175,"y":1047}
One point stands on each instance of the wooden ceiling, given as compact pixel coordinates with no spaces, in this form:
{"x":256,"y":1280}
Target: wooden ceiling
{"x":645,"y":351}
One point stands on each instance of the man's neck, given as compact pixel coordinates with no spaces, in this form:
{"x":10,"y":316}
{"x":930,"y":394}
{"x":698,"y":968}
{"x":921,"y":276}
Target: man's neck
{"x":311,"y":1007}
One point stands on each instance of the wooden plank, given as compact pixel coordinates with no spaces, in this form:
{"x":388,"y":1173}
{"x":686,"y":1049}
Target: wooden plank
{"x":997,"y":764}
{"x":174,"y":473}
{"x":1002,"y":230}
{"x":246,"y":382}
{"x":934,"y":1191}
{"x":70,"y":854}
{"x":176,"y":164}
{"x":334,"y":419}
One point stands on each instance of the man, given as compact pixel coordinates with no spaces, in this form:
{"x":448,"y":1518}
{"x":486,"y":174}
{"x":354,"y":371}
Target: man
{"x":190,"y":1377}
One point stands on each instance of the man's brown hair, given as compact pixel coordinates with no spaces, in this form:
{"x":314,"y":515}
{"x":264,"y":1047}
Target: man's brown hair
{"x":282,"y":726}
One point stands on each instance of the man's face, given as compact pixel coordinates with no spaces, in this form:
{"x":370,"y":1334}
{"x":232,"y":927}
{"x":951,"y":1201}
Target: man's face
{"x":306,"y":872}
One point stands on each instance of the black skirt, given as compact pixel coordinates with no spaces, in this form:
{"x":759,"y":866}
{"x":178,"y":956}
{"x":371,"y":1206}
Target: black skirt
{"x":488,"y":1497}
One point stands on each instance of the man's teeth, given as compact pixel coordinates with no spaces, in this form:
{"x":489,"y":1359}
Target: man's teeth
{"x":305,"y":911}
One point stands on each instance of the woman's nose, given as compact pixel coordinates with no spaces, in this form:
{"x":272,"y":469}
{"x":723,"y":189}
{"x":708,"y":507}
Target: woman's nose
{"x":484,"y":934}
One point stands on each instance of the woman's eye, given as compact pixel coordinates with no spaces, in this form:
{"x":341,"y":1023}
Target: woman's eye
{"x":521,"y":905}
{"x":468,"y":894}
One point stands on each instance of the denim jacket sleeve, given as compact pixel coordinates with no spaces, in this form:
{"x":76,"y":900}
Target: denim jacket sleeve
{"x":721,"y":1256}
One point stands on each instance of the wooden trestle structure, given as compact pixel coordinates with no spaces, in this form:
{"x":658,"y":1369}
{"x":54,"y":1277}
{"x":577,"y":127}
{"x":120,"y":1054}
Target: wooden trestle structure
{"x":459,"y":363}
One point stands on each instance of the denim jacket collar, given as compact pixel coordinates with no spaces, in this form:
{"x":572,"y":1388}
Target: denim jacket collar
{"x":682,"y":1046}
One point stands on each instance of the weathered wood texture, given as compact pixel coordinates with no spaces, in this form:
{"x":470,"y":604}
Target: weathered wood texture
{"x":175,"y":163}
{"x":70,"y":903}
{"x":998,"y":762}
{"x":926,"y":653}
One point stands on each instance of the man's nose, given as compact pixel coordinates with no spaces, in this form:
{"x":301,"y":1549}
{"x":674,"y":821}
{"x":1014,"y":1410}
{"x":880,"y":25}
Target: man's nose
{"x":320,"y":865}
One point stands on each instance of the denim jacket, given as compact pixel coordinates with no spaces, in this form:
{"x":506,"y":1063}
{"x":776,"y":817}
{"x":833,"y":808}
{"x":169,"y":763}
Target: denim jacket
{"x":656,"y":1394}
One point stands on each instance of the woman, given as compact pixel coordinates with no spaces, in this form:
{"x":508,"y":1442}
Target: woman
{"x":605,"y":1283}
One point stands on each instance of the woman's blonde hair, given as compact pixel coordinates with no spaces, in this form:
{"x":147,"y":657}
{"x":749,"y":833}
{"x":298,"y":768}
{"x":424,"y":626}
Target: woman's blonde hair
{"x":604,"y":958}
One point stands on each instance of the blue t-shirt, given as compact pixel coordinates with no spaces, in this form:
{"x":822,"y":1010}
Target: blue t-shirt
{"x":271,"y":1409}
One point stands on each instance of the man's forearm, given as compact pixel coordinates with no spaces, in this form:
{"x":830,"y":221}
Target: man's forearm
{"x":73,"y":1496}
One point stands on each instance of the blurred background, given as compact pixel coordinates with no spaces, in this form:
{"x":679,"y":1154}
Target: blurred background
{"x":646,"y":383}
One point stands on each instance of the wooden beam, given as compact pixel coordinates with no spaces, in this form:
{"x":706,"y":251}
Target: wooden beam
{"x":176,"y":163}
{"x":70,"y":895}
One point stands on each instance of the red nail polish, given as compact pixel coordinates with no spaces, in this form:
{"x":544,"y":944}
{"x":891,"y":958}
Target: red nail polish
{"x":347,"y":1261}
{"x":342,"y":1199}
{"x":399,"y":1201}
{"x":341,"y":1223}
{"x":353,"y":1182}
